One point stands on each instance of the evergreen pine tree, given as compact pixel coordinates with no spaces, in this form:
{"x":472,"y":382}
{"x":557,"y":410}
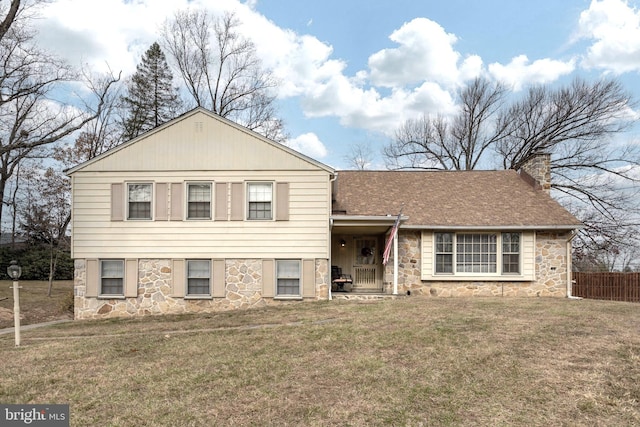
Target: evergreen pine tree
{"x":151,"y":97}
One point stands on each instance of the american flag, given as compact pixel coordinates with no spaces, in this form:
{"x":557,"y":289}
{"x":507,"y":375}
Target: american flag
{"x":392,"y":234}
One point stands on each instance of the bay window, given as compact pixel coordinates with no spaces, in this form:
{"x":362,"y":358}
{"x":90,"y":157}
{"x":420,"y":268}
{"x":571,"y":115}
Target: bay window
{"x":481,"y":253}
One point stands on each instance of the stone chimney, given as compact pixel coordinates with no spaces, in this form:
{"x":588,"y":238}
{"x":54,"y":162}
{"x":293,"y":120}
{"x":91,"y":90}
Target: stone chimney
{"x":538,"y":170}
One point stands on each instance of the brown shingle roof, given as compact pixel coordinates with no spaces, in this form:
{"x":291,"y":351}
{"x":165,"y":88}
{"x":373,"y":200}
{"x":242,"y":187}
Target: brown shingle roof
{"x":449,"y":198}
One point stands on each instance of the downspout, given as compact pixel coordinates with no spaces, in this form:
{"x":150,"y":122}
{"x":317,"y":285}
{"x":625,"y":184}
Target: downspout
{"x":570,"y":267}
{"x":331,"y":181}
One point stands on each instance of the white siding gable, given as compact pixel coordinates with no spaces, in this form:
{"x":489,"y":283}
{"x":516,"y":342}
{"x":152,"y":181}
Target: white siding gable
{"x":200,"y":141}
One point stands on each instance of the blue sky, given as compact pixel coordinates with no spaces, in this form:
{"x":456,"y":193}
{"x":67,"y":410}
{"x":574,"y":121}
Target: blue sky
{"x":353,"y":70}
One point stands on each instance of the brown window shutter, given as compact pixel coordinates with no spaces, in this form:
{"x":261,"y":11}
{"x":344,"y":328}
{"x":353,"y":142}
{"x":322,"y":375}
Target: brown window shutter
{"x":237,"y":201}
{"x":92,"y":278}
{"x":218,"y":277}
{"x":178,"y":278}
{"x":117,"y":202}
{"x":308,"y":278}
{"x":221,"y":201}
{"x":177,"y":201}
{"x":268,"y":278}
{"x":162,"y":213}
{"x":131,"y":278}
{"x":282,"y":201}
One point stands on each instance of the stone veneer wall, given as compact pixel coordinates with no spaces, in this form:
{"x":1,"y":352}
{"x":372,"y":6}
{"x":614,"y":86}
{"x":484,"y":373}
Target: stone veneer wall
{"x":243,"y":289}
{"x":551,"y":271}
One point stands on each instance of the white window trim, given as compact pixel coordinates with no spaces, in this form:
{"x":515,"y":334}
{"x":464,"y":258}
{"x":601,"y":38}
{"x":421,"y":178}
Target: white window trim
{"x":297,"y":296}
{"x":102,"y":295}
{"x":186,"y":200}
{"x":152,"y":202}
{"x":520,"y":256}
{"x":498,"y":272}
{"x":273,"y":201}
{"x":187,"y":295}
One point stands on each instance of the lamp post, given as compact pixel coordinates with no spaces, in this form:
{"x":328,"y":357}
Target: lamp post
{"x":14,"y":271}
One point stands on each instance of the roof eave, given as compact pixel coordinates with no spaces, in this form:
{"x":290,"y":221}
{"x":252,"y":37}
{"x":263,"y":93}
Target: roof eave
{"x":494,"y":227}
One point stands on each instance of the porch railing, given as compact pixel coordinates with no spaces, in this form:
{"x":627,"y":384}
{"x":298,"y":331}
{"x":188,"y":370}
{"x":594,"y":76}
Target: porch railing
{"x":365,"y":277}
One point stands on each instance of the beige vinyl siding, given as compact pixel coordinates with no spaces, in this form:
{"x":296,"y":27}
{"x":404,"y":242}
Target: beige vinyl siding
{"x":202,"y":142}
{"x":527,"y":261}
{"x":303,"y":235}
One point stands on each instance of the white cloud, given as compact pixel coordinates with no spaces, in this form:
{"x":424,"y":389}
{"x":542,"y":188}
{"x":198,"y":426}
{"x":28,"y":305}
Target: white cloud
{"x":520,"y":72}
{"x":400,"y":83}
{"x":425,"y":53}
{"x":614,"y":28}
{"x":111,"y":32}
{"x":309,"y":144}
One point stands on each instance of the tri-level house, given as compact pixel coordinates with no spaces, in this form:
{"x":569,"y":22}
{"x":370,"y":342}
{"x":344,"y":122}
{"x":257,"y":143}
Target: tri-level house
{"x":201,"y":214}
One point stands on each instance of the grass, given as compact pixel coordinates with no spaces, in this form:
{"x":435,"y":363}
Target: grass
{"x":410,"y":362}
{"x":35,"y":305}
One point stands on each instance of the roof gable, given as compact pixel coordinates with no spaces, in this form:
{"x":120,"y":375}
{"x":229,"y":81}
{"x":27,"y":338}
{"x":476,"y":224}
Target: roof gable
{"x":455,"y":199}
{"x":200,"y":140}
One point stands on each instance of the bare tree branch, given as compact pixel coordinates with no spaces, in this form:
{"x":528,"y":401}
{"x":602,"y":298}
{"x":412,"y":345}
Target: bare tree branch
{"x":459,"y":143}
{"x":221,"y":70}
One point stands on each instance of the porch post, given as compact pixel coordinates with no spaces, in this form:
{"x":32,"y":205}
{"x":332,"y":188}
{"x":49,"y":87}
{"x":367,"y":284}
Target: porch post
{"x":395,"y":264}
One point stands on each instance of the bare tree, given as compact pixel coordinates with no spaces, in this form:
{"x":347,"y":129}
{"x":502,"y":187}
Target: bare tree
{"x":458,"y":143}
{"x":29,"y":117}
{"x":10,"y":16}
{"x":360,"y":156}
{"x":595,"y":178}
{"x":221,"y":70}
{"x":583,"y":112}
{"x":100,"y":134}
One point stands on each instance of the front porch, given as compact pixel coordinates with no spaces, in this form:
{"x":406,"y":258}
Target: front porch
{"x":357,"y":248}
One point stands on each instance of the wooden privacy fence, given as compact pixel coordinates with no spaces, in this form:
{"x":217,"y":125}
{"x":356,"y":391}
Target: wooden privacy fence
{"x":609,"y":286}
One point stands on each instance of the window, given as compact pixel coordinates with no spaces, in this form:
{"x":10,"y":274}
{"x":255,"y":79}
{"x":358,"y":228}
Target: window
{"x":260,"y":197}
{"x":288,"y":277}
{"x":112,"y":277}
{"x":139,"y":197}
{"x":198,"y":277}
{"x":477,"y":253}
{"x":199,"y":201}
{"x":510,"y":253}
{"x":444,"y":252}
